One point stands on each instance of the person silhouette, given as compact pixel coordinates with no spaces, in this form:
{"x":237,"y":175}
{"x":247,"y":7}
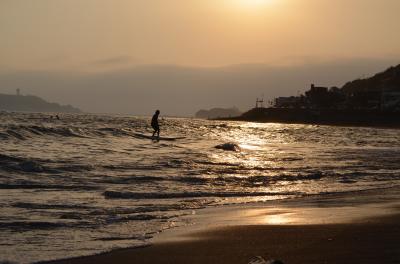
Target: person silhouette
{"x":154,"y":124}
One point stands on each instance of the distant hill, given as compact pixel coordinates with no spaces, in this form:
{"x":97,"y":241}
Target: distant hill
{"x":31,"y":103}
{"x":218,"y":113}
{"x":388,"y":80}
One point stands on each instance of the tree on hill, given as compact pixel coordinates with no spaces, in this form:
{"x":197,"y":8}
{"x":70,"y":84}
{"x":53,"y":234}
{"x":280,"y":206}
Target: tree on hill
{"x":388,"y":80}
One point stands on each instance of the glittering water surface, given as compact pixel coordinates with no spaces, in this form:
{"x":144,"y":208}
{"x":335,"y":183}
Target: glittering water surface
{"x":86,"y":184}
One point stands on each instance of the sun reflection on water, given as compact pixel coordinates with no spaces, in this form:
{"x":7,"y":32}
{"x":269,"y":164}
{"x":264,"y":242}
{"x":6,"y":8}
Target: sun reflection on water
{"x":260,"y":145}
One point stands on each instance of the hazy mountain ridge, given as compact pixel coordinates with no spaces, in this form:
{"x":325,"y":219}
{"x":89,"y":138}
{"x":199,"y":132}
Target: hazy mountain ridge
{"x":30,"y":103}
{"x":218,"y":113}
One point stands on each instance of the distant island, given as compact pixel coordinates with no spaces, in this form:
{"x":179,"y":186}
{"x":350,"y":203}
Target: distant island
{"x":218,"y":113}
{"x":30,"y":103}
{"x":371,"y":101}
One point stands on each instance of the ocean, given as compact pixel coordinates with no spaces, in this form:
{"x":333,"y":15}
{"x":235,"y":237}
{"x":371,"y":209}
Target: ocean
{"x":86,"y":184}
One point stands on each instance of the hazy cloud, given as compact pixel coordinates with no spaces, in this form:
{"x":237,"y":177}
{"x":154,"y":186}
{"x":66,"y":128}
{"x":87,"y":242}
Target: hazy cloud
{"x":184,"y":90}
{"x":115,"y":61}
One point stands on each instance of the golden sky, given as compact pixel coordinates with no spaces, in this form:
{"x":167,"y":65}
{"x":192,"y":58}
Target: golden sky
{"x":91,"y":34}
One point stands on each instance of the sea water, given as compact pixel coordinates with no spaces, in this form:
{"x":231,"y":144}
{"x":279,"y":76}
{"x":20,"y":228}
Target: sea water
{"x":85,"y":184}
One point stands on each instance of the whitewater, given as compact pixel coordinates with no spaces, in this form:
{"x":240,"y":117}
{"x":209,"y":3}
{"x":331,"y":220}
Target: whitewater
{"x":86,"y":184}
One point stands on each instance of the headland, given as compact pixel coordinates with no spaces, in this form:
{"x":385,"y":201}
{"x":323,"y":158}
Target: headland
{"x":30,"y":103}
{"x":373,"y":101}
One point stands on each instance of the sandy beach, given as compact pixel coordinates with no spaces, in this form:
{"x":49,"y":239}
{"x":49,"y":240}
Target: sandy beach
{"x":347,"y":229}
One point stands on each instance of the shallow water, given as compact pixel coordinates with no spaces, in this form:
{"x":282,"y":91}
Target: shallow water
{"x":85,"y":184}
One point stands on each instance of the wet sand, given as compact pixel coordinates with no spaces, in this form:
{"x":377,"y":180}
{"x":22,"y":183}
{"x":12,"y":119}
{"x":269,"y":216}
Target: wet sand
{"x":336,"y":230}
{"x":374,"y":242}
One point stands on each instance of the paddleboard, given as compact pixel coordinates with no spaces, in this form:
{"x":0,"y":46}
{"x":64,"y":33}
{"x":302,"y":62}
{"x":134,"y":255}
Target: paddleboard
{"x":139,"y":135}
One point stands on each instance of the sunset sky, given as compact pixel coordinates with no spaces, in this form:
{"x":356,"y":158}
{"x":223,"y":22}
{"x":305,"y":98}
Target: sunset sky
{"x":111,"y":35}
{"x":75,"y":33}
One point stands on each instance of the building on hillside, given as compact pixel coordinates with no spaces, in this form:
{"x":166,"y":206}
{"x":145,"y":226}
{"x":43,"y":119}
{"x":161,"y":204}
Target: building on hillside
{"x":288,"y":102}
{"x":317,"y":96}
{"x":260,"y":103}
{"x":364,"y":100}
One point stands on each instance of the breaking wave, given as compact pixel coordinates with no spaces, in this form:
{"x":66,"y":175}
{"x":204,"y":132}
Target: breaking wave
{"x":26,"y":132}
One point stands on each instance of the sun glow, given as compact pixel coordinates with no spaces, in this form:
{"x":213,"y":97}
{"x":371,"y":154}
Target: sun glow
{"x":253,"y":6}
{"x":254,"y":3}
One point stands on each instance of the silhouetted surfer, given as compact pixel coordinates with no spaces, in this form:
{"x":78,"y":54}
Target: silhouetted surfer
{"x":154,"y":124}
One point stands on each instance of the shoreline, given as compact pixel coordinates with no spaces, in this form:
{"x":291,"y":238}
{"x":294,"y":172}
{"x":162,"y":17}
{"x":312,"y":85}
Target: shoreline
{"x":235,"y":234}
{"x":336,"y":124}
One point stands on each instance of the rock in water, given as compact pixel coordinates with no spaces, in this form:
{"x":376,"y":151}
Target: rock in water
{"x":228,"y":147}
{"x":261,"y":260}
{"x":274,"y":262}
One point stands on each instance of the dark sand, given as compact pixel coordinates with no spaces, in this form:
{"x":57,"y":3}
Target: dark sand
{"x":372,"y":241}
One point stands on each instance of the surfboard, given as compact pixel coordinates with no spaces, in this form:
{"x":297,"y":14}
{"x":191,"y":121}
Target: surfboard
{"x":139,"y":135}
